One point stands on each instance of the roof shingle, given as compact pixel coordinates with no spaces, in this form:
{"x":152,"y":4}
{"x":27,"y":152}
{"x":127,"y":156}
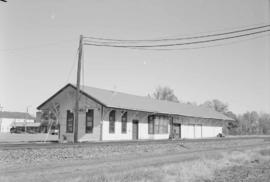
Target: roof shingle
{"x":143,"y":103}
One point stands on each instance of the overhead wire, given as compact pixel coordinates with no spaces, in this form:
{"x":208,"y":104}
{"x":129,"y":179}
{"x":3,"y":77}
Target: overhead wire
{"x":72,"y":66}
{"x":173,"y":44}
{"x":174,"y":39}
{"x":200,"y":47}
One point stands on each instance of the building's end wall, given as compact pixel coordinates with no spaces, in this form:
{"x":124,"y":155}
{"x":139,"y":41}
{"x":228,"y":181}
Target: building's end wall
{"x":66,"y":100}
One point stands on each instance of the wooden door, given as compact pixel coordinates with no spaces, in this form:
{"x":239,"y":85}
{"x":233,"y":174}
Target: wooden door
{"x":177,"y":130}
{"x":135,"y":129}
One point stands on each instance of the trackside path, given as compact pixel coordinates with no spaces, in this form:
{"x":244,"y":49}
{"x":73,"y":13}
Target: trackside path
{"x":106,"y":159}
{"x":40,"y":145}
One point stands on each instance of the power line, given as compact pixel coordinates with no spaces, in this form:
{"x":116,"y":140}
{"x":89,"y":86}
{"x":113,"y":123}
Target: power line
{"x":201,"y":47}
{"x":175,"y":39}
{"x":72,"y":66}
{"x":176,"y":44}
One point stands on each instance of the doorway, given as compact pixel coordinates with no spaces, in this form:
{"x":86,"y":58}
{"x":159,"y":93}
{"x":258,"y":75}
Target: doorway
{"x":135,"y":129}
{"x":176,"y":131}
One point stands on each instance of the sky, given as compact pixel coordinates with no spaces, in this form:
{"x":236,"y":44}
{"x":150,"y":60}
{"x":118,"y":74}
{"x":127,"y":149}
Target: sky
{"x":39,"y":41}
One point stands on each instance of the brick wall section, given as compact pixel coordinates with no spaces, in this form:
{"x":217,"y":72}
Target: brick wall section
{"x":66,"y":99}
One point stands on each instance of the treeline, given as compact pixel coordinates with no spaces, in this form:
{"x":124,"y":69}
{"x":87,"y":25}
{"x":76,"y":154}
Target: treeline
{"x":249,"y":123}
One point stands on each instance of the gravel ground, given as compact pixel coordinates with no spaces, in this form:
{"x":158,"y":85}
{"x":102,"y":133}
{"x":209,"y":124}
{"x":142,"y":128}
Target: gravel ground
{"x":204,"y":161}
{"x":32,"y":156}
{"x":255,"y":171}
{"x":22,"y":137}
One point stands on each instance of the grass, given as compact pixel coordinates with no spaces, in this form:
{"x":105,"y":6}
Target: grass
{"x":202,"y":169}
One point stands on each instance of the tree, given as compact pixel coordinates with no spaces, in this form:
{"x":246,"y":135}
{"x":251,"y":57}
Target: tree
{"x":50,"y":118}
{"x":251,"y":122}
{"x":217,"y":105}
{"x":264,"y":123}
{"x":164,"y":93}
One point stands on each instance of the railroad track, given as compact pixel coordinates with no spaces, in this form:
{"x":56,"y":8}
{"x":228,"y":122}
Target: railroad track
{"x":95,"y":165}
{"x":12,"y":146}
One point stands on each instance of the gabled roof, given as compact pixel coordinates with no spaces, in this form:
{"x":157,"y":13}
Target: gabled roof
{"x":15,"y":115}
{"x":121,"y":100}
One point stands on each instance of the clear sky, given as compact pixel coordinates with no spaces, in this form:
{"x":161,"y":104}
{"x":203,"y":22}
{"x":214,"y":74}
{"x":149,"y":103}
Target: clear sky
{"x":39,"y":41}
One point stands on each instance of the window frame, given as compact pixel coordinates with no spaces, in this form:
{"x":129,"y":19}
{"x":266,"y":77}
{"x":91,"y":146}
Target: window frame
{"x":112,"y":121}
{"x":158,"y":124}
{"x":151,"y":122}
{"x":69,"y":129}
{"x":124,"y":120}
{"x":89,"y":129}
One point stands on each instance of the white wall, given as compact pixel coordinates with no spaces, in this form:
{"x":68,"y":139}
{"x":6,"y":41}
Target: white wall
{"x":187,"y":131}
{"x":117,"y":135}
{"x":211,"y":131}
{"x":198,"y":131}
{"x":142,"y":127}
{"x":7,"y":123}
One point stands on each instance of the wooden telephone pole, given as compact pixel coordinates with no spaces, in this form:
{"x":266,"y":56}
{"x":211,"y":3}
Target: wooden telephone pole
{"x":78,"y":90}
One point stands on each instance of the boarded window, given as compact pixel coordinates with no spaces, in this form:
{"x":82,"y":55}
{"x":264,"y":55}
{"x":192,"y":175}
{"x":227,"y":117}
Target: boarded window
{"x":112,"y":122}
{"x":150,"y":124}
{"x":124,"y":123}
{"x":70,"y":121}
{"x":89,"y":121}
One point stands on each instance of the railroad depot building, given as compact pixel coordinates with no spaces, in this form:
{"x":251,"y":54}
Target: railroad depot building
{"x":106,"y":115}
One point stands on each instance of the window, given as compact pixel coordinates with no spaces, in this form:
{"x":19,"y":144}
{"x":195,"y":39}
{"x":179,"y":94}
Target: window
{"x":151,"y":124}
{"x":124,"y":123}
{"x":70,"y":120}
{"x":89,"y":121}
{"x":111,"y":121}
{"x":158,"y":125}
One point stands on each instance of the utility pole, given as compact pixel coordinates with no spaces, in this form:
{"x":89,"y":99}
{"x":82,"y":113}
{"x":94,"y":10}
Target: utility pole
{"x":78,"y":91}
{"x":25,"y":119}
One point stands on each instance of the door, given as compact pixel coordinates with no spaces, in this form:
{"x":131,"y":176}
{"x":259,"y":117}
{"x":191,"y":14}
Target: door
{"x":176,"y":130}
{"x":135,"y":129}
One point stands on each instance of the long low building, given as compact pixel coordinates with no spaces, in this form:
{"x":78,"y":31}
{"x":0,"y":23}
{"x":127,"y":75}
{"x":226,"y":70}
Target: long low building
{"x":8,"y":119}
{"x":106,"y":115}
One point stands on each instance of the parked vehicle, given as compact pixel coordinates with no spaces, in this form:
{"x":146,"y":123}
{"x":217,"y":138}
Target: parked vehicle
{"x":54,"y":131}
{"x":220,"y":135}
{"x":15,"y":130}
